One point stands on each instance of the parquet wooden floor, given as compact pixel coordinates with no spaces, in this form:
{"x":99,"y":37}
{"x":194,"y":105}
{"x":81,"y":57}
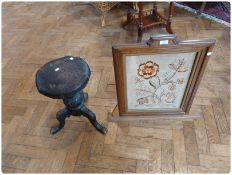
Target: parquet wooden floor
{"x":34,"y":33}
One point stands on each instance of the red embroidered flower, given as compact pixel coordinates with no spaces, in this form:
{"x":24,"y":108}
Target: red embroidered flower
{"x":148,"y":69}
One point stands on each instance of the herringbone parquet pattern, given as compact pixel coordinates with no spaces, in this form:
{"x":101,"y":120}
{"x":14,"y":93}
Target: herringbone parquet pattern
{"x":34,"y":33}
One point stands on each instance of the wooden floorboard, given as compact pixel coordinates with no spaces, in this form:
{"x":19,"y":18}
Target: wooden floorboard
{"x":34,"y":33}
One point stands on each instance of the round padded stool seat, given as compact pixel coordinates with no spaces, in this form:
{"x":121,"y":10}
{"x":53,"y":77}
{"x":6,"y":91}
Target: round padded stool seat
{"x":63,"y":77}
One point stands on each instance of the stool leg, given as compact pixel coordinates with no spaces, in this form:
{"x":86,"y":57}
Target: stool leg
{"x":60,"y":116}
{"x":92,"y":118}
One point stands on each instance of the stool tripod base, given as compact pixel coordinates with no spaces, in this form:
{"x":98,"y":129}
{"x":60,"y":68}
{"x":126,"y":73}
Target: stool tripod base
{"x":78,"y":110}
{"x":56,"y":129}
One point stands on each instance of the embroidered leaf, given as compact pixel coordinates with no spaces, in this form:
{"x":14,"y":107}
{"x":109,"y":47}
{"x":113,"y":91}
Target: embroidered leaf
{"x":154,"y":82}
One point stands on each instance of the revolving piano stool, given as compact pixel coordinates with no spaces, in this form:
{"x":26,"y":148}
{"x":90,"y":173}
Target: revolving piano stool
{"x":65,"y":78}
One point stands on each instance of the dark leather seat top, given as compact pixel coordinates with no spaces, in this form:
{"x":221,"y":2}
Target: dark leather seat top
{"x":62,"y":77}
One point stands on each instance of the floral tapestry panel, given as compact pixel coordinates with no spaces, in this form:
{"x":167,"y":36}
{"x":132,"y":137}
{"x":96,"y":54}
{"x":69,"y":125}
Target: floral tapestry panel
{"x":157,"y":81}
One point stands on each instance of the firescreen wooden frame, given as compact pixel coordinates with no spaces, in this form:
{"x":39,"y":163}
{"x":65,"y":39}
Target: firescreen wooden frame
{"x":203,"y":49}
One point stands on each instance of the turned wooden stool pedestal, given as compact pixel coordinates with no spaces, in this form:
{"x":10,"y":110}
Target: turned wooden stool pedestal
{"x":65,"y":78}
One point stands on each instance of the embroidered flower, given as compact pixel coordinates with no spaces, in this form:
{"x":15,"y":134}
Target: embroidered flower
{"x":170,"y":97}
{"x":172,"y":87}
{"x":148,"y":69}
{"x":142,"y":100}
{"x":180,"y":80}
{"x":179,"y":66}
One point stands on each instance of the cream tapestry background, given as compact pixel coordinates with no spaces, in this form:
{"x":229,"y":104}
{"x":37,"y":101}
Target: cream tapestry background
{"x":157,"y":81}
